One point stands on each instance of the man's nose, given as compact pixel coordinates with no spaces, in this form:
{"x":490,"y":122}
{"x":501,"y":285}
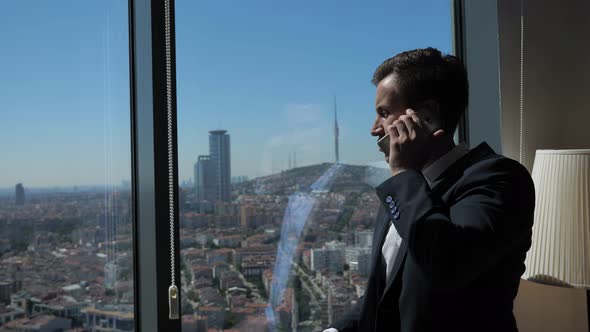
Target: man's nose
{"x":377,"y":129}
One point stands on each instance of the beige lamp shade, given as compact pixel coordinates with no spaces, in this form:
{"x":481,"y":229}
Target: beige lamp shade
{"x":560,"y":251}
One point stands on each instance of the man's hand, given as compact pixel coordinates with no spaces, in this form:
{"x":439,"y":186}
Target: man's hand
{"x":408,"y":143}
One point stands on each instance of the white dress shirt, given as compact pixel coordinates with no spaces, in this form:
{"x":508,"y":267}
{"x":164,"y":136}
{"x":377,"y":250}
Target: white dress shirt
{"x":431,"y":173}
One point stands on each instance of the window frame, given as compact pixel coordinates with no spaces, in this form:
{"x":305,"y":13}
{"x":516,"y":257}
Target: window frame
{"x":149,"y":145}
{"x":457,"y":20}
{"x":476,"y":44}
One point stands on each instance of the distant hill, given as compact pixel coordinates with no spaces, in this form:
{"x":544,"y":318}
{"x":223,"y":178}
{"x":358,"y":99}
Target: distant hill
{"x":348,"y":178}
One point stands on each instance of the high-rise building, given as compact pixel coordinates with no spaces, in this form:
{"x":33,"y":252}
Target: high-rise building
{"x":336,"y":133}
{"x":204,"y":180}
{"x":213,"y":172}
{"x":20,"y":194}
{"x":219,"y":151}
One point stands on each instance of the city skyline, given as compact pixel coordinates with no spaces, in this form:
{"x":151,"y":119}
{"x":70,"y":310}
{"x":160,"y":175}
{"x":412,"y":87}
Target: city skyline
{"x":231,"y":257}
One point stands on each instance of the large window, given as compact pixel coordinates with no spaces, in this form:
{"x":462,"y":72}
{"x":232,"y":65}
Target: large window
{"x":276,"y":163}
{"x":66,"y":245}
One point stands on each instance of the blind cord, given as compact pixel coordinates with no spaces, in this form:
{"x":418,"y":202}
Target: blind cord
{"x":173,"y":298}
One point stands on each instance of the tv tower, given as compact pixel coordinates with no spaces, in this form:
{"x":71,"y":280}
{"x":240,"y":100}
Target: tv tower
{"x":336,"y":132}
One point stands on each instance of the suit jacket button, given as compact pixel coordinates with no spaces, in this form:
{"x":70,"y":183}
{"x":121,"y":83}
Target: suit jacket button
{"x":388,"y":199}
{"x":396,"y":215}
{"x":391,"y":205}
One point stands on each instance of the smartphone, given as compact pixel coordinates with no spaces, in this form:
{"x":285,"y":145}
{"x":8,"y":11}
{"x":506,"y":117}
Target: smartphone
{"x":383,"y":143}
{"x":429,"y":119}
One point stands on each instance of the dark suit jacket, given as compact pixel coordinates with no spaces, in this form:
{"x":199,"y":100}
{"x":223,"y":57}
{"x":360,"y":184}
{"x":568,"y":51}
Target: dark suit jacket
{"x":463,"y":248}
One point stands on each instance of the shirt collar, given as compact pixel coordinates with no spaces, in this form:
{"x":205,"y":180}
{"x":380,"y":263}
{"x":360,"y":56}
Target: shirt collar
{"x":435,"y":170}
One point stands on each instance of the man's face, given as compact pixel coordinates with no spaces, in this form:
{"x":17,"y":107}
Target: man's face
{"x":388,"y":105}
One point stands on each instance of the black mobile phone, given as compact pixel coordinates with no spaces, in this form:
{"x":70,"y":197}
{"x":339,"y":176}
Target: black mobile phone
{"x":383,"y":143}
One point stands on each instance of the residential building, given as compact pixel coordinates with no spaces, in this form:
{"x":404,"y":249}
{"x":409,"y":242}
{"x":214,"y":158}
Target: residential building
{"x":330,"y":257}
{"x":363,"y":238}
{"x":41,"y":323}
{"x":113,"y":317}
{"x":9,"y":313}
{"x":358,"y":259}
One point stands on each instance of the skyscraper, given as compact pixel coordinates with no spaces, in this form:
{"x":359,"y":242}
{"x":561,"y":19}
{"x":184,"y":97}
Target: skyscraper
{"x":336,"y":133}
{"x":204,"y":181}
{"x":20,"y":194}
{"x":219,"y":151}
{"x":213,"y":172}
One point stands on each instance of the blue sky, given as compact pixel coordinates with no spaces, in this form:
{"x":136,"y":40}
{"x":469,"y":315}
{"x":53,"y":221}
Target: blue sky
{"x":265,"y":71}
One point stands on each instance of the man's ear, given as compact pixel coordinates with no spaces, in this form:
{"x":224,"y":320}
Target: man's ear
{"x":429,"y":111}
{"x":432,"y":106}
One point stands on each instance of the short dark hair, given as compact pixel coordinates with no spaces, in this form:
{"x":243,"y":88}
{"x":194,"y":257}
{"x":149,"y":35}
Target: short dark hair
{"x":426,"y":73}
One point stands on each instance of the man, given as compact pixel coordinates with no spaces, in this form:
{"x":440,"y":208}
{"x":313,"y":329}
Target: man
{"x":455,"y":224}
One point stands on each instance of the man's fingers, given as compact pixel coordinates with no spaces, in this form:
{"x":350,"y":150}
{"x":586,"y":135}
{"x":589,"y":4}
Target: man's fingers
{"x":402,"y":130}
{"x":392,"y":130}
{"x":410,"y":125}
{"x":410,"y":112}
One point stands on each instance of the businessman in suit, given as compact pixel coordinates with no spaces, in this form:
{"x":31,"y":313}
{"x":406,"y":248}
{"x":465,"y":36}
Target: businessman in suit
{"x":454,"y":224}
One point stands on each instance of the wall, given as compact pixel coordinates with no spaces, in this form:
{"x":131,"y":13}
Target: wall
{"x":556,"y":75}
{"x":557,"y":116}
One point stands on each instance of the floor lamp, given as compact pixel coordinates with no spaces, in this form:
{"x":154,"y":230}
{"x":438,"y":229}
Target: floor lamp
{"x":560,"y":251}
